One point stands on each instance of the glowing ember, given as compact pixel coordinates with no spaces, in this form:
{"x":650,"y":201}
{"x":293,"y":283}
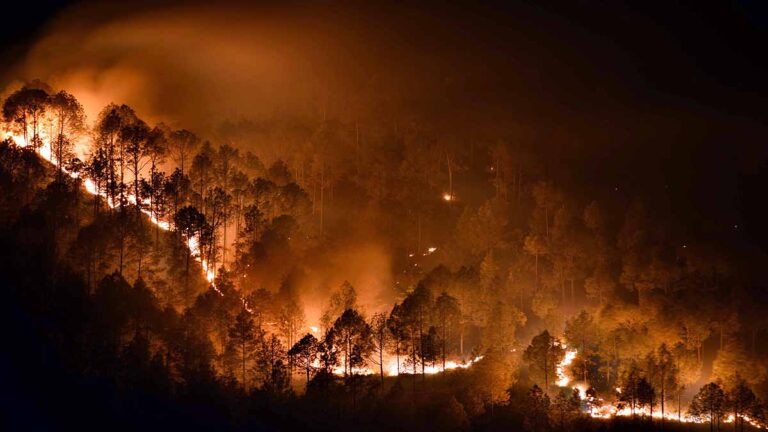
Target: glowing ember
{"x":391,"y":368}
{"x":448,"y":197}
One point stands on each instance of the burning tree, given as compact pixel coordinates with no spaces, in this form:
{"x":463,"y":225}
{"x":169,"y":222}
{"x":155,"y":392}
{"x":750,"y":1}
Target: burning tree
{"x":742,"y":402}
{"x":710,"y":404}
{"x":69,"y":123}
{"x":24,"y":109}
{"x":304,"y":352}
{"x":543,"y":354}
{"x":353,"y":338}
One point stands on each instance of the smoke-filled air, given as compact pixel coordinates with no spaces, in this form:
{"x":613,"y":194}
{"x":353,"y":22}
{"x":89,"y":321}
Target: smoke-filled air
{"x":369,"y":216}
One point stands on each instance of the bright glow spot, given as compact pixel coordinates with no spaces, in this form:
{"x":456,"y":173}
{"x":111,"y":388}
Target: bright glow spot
{"x":562,"y":378}
{"x":46,"y":153}
{"x":390,"y":368}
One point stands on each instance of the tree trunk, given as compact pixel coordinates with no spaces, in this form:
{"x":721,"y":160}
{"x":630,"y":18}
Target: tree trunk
{"x":397,"y":355}
{"x":444,"y":337}
{"x":662,"y":401}
{"x":421,"y":347}
{"x":381,"y":362}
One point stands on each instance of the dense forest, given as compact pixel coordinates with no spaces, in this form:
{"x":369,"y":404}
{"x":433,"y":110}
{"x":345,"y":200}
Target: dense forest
{"x":320,"y":273}
{"x":372,"y":215}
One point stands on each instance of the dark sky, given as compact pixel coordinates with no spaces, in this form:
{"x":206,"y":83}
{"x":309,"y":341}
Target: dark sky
{"x":672,"y":94}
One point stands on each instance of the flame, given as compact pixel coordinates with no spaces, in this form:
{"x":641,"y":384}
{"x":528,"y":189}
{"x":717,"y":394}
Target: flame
{"x":392,"y":367}
{"x":562,"y":378}
{"x":45,"y":151}
{"x":601,"y":409}
{"x":596,"y":407}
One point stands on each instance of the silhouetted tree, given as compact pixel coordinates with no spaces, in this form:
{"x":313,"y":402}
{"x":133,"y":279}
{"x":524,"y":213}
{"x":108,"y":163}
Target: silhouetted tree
{"x":710,"y":404}
{"x":181,"y":144}
{"x":25,"y":109}
{"x":353,"y":337}
{"x":304,"y":353}
{"x":742,"y":402}
{"x":448,"y":315}
{"x":536,"y":414}
{"x":69,"y":124}
{"x":543,"y":354}
{"x":380,"y":339}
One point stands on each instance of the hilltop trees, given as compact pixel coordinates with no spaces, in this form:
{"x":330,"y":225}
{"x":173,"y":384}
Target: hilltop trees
{"x":24,"y":110}
{"x":69,"y":123}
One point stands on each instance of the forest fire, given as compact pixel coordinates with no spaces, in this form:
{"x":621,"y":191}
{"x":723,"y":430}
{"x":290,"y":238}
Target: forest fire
{"x":598,"y":408}
{"x":390,"y":216}
{"x":45,"y":151}
{"x":392,"y":368}
{"x":562,"y":376}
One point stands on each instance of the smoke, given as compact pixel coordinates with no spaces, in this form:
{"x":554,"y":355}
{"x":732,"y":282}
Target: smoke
{"x":200,"y":66}
{"x":366,"y":265}
{"x":192,"y":66}
{"x":197,"y":65}
{"x":574,"y":87}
